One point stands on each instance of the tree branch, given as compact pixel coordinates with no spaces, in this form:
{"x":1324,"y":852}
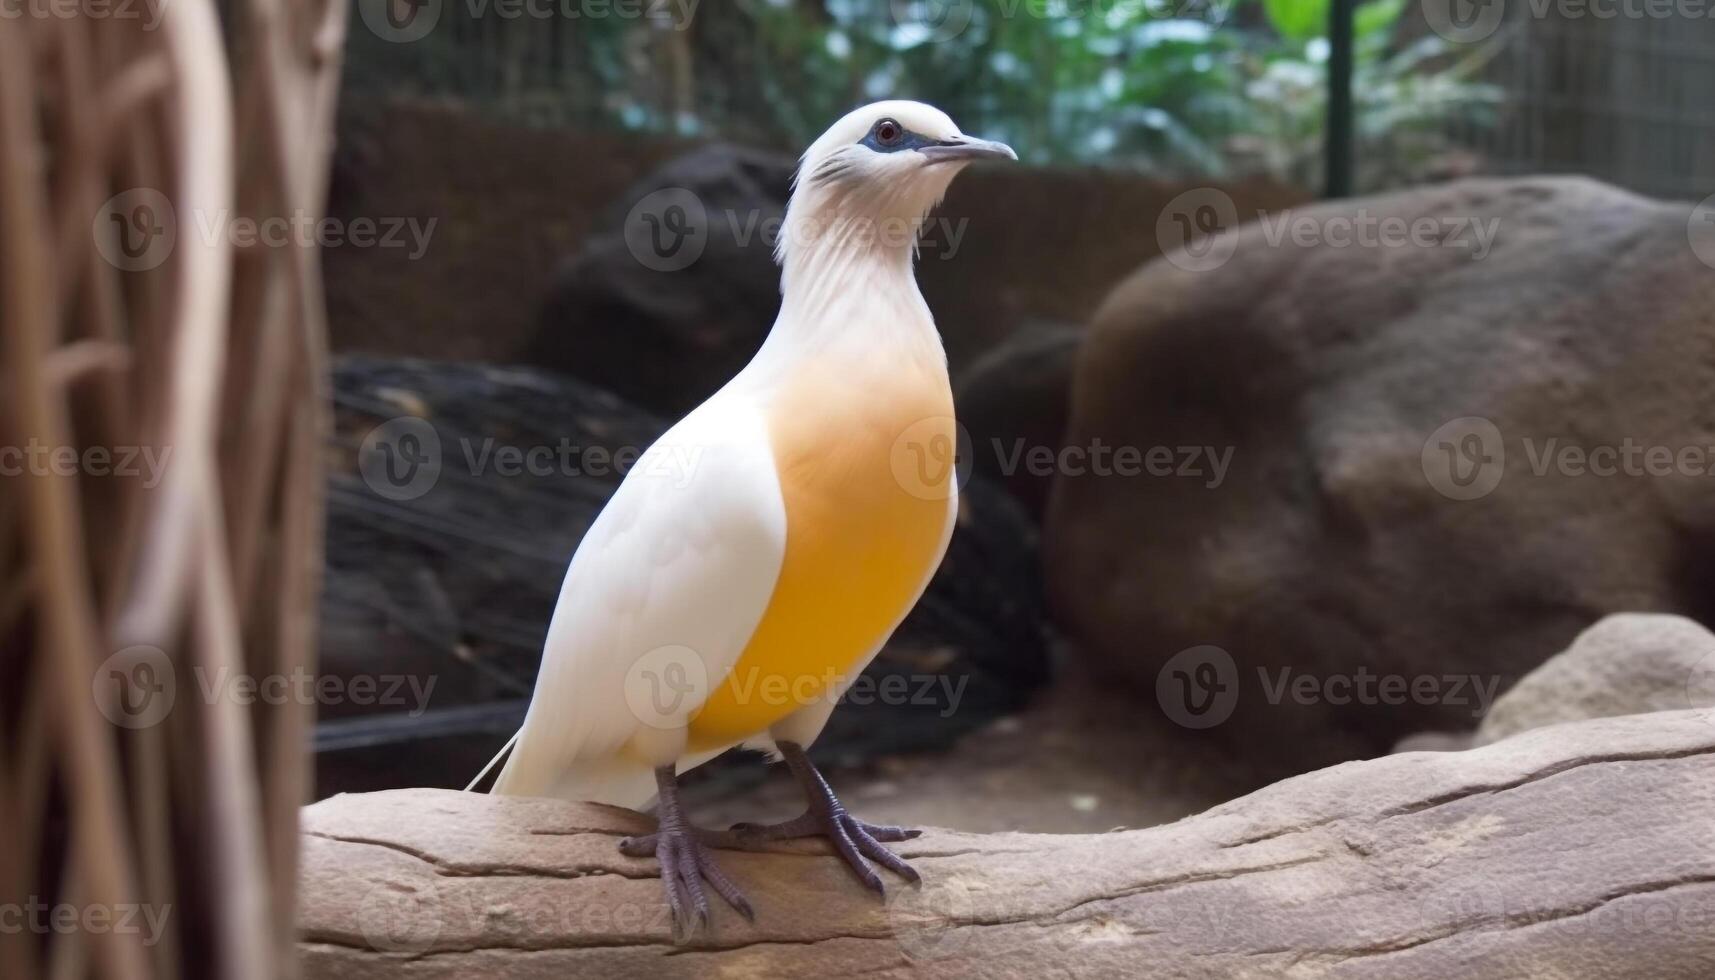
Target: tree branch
{"x":1581,"y":850}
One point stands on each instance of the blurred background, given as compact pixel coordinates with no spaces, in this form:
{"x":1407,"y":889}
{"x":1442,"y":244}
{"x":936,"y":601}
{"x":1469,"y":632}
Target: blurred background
{"x":1324,"y":369}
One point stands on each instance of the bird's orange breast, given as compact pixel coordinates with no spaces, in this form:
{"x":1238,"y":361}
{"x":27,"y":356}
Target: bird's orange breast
{"x":866,"y":468}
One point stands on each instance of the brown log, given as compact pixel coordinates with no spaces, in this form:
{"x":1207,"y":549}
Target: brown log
{"x":1585,"y":850}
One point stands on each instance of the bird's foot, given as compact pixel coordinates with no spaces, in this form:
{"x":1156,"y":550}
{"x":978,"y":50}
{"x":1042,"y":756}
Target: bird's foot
{"x":685,"y":864}
{"x":852,"y":839}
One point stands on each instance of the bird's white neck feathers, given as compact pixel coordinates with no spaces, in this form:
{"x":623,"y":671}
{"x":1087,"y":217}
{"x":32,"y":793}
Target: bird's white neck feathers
{"x":846,"y":252}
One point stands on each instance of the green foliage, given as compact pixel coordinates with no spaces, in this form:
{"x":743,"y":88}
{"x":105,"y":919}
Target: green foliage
{"x":1177,"y":87}
{"x":1298,"y":20}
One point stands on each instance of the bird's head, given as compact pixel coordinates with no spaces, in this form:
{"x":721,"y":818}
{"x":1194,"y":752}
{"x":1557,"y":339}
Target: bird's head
{"x":874,"y":175}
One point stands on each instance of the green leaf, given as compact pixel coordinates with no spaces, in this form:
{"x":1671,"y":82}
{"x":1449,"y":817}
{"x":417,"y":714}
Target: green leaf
{"x":1298,"y":20}
{"x":1376,"y":18}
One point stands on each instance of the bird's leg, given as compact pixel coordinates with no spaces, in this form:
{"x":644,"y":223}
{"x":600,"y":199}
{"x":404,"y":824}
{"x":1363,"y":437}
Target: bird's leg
{"x":826,"y":816}
{"x":685,"y":862}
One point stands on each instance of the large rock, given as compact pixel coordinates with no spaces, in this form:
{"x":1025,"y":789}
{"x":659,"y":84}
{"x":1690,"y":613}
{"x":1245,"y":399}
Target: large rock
{"x":1580,"y":851}
{"x":439,"y":588}
{"x":1340,"y":376}
{"x":1626,"y":664}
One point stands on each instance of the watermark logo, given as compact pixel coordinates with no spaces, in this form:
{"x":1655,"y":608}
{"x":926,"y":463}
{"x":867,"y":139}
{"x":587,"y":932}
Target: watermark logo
{"x":403,"y":21}
{"x":138,"y":687}
{"x":932,"y":459}
{"x":918,"y":22}
{"x":135,"y":688}
{"x":668,"y":229}
{"x":403,"y":459}
{"x":1199,"y":687}
{"x":1464,"y":21}
{"x":400,"y":21}
{"x":135,"y":231}
{"x":1470,"y":21}
{"x":1474,"y":691}
{"x":1465,"y":458}
{"x":926,"y":919}
{"x":34,"y":916}
{"x":1464,"y":907}
{"x":931,"y":21}
{"x":149,"y":12}
{"x":1189,"y":229}
{"x":1208,"y":464}
{"x":400,"y":459}
{"x":665,"y":685}
{"x":401,"y":918}
{"x":1363,"y":228}
{"x":36,"y":458}
{"x":1701,"y":231}
{"x":413,"y":917}
{"x":1194,"y":230}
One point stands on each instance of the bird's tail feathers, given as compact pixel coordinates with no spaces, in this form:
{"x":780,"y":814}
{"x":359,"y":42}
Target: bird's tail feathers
{"x":615,"y":779}
{"x":497,"y":757}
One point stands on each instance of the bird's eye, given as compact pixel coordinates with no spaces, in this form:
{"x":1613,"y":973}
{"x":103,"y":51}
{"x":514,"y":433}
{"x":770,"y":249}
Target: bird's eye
{"x":888,"y":132}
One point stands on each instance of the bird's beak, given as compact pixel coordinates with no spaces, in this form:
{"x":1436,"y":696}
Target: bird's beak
{"x":967,"y":148}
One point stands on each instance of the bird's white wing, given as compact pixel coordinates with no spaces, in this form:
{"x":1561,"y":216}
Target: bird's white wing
{"x":660,"y":600}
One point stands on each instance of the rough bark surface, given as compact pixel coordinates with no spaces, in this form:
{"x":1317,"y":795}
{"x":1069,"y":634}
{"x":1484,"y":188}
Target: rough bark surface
{"x":1583,"y":850}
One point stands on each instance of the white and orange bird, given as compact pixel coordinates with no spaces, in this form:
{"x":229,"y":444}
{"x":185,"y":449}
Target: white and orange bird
{"x":762,"y":551}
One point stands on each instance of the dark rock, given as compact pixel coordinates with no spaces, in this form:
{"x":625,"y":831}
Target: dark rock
{"x":451,"y":580}
{"x":1584,"y":850}
{"x":1013,"y":403}
{"x":1340,"y":540}
{"x":666,"y":323}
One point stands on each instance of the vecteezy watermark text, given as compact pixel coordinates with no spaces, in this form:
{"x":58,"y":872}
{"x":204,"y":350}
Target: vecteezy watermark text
{"x":667,"y":686}
{"x":37,"y":917}
{"x":138,"y":686}
{"x":667,"y":230}
{"x":410,"y":917}
{"x":1466,"y":458}
{"x":1200,"y":687}
{"x":1469,"y":21}
{"x":403,"y":21}
{"x":1467,"y":233}
{"x":1208,"y":463}
{"x":149,"y":12}
{"x":569,"y":458}
{"x":138,"y":230}
{"x":38,"y":459}
{"x":1195,"y":230}
{"x":402,"y":459}
{"x":937,"y":21}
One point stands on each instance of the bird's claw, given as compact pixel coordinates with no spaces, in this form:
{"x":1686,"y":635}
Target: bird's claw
{"x":685,"y":864}
{"x":852,"y":839}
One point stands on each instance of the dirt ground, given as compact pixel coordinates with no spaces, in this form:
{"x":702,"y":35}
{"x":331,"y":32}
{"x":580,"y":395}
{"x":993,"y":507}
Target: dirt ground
{"x":1081,"y":760}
